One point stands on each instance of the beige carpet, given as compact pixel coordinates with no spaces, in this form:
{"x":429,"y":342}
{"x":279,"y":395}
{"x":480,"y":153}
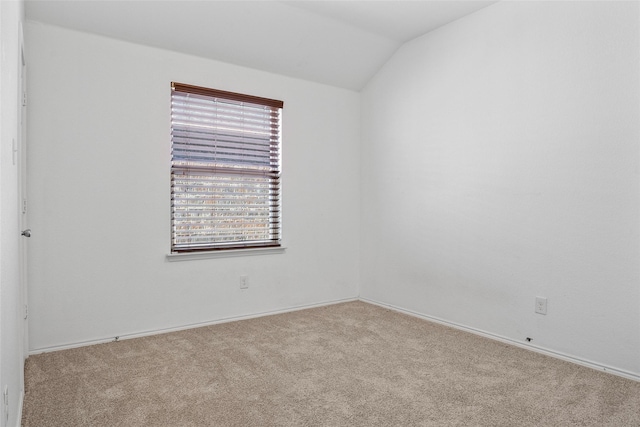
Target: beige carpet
{"x":351,"y":364}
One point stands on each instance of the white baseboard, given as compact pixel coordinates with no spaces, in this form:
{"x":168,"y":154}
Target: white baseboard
{"x":184,"y":327}
{"x":526,"y":346}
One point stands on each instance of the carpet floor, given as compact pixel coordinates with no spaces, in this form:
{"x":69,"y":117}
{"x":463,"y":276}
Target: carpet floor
{"x":350,"y":364}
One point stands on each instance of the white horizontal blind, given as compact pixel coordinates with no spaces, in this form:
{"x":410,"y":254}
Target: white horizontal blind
{"x":225,"y":170}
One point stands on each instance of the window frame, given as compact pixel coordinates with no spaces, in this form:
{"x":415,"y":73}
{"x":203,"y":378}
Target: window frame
{"x":268,"y":176}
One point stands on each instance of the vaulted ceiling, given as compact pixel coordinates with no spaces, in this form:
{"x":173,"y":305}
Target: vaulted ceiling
{"x":340,"y":43}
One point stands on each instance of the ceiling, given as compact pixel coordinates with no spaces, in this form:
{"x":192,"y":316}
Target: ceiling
{"x":340,"y":43}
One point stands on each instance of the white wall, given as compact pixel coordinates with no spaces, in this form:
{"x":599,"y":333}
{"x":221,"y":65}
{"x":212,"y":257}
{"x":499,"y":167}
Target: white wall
{"x":11,"y":323}
{"x":99,"y":194}
{"x":500,"y":162}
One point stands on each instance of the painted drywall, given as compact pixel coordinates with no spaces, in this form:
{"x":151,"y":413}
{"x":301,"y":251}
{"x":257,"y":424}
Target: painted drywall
{"x":100,"y":197}
{"x":499,"y":163}
{"x":11,"y":322}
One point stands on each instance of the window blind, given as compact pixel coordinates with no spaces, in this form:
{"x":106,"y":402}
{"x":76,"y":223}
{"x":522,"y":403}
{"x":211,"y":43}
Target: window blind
{"x":225,"y":170}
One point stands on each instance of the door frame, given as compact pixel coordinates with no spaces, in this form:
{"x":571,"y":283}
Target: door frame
{"x":22,"y":187}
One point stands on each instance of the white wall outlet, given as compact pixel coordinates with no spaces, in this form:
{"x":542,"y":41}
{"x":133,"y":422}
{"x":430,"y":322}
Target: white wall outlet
{"x":541,"y":305}
{"x":244,"y":282}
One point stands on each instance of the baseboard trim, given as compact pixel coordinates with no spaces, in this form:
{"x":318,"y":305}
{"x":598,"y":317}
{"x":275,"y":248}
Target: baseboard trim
{"x":496,"y":337}
{"x":531,"y":347}
{"x":189,"y":326}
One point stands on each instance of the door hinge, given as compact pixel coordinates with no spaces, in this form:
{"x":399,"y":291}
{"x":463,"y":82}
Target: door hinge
{"x":24,"y":99}
{"x":26,"y":311}
{"x":24,"y":206}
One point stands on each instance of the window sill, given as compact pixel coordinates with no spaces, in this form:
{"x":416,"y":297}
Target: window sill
{"x":189,"y":256}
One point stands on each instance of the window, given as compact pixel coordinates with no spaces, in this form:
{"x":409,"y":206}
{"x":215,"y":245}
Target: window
{"x":225,"y":170}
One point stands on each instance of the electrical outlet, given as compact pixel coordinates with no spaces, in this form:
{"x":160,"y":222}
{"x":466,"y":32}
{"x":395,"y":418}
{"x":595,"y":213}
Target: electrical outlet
{"x":541,"y":305}
{"x":244,"y":282}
